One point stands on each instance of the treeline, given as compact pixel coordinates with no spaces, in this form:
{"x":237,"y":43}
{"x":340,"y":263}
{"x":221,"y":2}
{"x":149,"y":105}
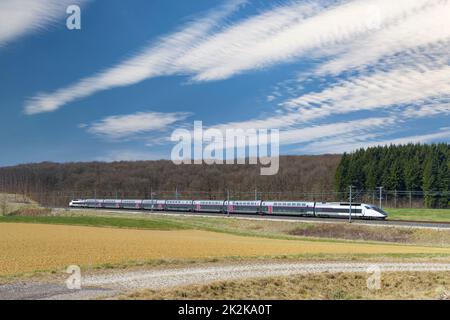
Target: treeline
{"x":412,"y":167}
{"x":138,"y":179}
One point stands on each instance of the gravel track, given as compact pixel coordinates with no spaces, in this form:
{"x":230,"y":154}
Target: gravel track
{"x":117,"y":282}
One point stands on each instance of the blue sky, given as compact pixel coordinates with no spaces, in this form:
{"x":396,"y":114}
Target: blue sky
{"x":332,"y":76}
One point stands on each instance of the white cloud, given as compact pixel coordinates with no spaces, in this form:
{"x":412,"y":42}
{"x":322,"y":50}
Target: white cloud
{"x":340,"y":144}
{"x":401,"y":64}
{"x":19,"y":17}
{"x":379,"y":90}
{"x":122,"y":126}
{"x":207,"y":50}
{"x":253,"y":44}
{"x":267,"y":38}
{"x":290,"y":134}
{"x":423,"y":30}
{"x":428,"y":110}
{"x":155,"y":60}
{"x":372,"y":55}
{"x":355,"y":128}
{"x":130,"y":155}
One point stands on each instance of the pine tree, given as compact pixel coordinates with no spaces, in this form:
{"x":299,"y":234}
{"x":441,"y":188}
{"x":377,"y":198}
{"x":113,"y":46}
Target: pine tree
{"x":430,"y":181}
{"x":412,"y":167}
{"x":371,"y":176}
{"x":413,"y":173}
{"x":394,"y":177}
{"x":341,"y":177}
{"x":444,"y":177}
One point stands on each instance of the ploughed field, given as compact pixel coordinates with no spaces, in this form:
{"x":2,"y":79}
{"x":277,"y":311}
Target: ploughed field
{"x":29,"y":247}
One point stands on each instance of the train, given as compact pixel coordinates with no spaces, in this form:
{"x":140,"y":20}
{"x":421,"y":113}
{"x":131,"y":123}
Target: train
{"x":269,"y":208}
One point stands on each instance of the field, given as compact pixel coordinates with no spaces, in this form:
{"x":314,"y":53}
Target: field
{"x":39,"y":246}
{"x":419,"y":214}
{"x":31,"y":247}
{"x":287,"y":230}
{"x":341,"y":286}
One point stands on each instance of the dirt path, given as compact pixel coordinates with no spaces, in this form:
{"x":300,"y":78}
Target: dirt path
{"x":117,"y":282}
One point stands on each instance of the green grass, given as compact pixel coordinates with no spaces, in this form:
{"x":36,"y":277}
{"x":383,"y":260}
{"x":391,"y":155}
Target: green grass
{"x":419,"y":214}
{"x":96,"y":221}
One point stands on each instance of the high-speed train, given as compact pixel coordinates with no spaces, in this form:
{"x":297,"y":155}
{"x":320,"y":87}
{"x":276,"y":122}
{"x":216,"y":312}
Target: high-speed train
{"x":276,"y":208}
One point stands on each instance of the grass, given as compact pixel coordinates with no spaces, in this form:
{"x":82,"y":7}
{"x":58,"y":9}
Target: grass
{"x":419,"y":214}
{"x":341,"y":286}
{"x":333,"y":232}
{"x":98,"y":221}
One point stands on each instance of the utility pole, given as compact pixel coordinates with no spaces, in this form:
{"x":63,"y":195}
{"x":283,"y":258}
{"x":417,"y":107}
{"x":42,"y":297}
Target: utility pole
{"x":151,"y":199}
{"x":350,"y":215}
{"x":381,"y":196}
{"x":256,"y":193}
{"x":228,"y":202}
{"x":410,"y":199}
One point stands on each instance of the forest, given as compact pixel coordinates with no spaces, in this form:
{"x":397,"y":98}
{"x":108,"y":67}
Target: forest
{"x":297,"y":174}
{"x":414,"y":167}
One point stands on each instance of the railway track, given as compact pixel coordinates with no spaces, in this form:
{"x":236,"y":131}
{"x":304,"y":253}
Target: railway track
{"x":381,"y":223}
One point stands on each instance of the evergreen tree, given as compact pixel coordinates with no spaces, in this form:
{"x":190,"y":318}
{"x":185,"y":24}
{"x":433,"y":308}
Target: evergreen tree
{"x":413,"y":173}
{"x":444,"y":176}
{"x":411,"y":167}
{"x":430,"y":182}
{"x":394,"y":176}
{"x":341,"y":177}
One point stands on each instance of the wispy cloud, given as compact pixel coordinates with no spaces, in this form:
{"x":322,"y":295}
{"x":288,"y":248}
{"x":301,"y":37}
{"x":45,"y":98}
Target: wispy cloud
{"x":400,"y":66}
{"x":340,"y":144}
{"x":156,"y":60}
{"x":369,"y":55}
{"x":379,"y":90}
{"x":129,"y":155}
{"x":354,"y":128}
{"x":394,"y":60}
{"x":19,"y":17}
{"x":207,"y":50}
{"x":324,"y":26}
{"x":428,"y":110}
{"x":116,"y":127}
{"x":413,"y":40}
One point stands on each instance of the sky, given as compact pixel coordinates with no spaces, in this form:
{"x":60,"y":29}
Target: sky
{"x":331,"y":75}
